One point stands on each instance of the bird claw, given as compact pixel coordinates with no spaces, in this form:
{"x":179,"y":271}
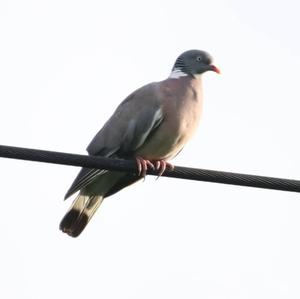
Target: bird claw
{"x":160,"y":165}
{"x":143,"y":165}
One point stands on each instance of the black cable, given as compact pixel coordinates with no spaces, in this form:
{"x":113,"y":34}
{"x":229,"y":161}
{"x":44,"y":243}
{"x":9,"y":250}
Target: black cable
{"x":130,"y":166}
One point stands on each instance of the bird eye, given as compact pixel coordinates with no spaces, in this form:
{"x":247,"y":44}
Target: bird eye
{"x":199,"y":58}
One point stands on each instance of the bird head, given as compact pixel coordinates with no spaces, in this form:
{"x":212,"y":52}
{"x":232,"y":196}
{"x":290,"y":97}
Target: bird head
{"x":194,"y":62}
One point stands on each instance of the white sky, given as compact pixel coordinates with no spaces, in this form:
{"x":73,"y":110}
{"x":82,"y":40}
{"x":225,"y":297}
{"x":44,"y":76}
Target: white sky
{"x":66,"y":65}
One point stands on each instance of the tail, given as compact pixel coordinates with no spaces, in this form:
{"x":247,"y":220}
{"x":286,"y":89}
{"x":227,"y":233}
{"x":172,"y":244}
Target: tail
{"x":80,"y":213}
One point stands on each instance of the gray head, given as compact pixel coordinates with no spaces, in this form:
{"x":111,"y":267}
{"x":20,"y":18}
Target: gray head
{"x":194,"y":62}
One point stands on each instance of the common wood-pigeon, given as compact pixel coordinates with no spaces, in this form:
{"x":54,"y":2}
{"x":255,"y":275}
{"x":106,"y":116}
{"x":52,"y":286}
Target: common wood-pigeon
{"x":151,"y":125}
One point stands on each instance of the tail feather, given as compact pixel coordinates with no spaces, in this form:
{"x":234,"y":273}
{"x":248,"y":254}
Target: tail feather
{"x":90,"y":197}
{"x":80,"y":213}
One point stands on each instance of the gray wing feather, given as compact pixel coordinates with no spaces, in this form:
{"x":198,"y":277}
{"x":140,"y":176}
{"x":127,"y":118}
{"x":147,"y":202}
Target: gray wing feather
{"x":126,"y":130}
{"x":84,"y":177}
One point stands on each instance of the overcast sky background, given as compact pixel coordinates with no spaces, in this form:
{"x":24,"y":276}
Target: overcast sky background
{"x":66,"y":65}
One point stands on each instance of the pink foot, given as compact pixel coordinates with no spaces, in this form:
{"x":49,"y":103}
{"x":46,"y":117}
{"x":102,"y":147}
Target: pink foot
{"x":159,"y":165}
{"x":143,"y":165}
{"x":162,"y":165}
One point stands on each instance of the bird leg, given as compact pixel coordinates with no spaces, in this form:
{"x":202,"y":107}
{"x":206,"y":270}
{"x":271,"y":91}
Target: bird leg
{"x":162,"y":165}
{"x":143,"y":165}
{"x":159,"y":165}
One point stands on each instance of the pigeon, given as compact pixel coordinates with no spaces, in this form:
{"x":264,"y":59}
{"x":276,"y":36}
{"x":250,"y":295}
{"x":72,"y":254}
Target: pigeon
{"x":151,"y":126}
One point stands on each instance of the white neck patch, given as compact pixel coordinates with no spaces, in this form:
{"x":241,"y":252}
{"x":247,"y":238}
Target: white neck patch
{"x":177,"y":73}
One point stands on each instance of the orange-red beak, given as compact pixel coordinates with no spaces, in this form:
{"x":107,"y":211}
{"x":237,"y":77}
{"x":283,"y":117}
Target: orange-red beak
{"x":215,"y":69}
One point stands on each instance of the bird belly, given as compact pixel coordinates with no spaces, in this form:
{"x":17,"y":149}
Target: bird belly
{"x":181,"y":112}
{"x":168,"y":140}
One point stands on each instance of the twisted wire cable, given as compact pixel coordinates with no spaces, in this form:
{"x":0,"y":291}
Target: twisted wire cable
{"x":130,"y":166}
